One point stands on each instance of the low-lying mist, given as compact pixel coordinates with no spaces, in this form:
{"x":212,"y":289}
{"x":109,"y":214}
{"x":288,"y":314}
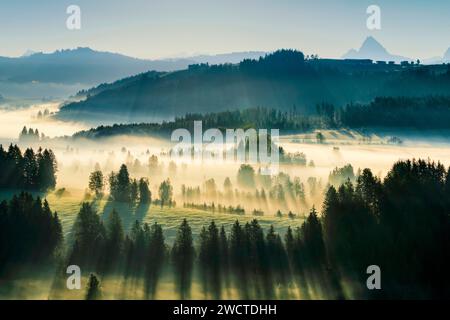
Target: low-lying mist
{"x":36,"y":116}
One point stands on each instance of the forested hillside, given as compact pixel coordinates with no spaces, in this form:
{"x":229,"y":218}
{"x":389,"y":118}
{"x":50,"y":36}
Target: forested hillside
{"x":282,"y":80}
{"x":423,"y":113}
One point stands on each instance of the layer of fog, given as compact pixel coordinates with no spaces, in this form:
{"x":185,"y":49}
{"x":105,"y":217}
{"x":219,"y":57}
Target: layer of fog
{"x":13,"y":118}
{"x":77,"y":159}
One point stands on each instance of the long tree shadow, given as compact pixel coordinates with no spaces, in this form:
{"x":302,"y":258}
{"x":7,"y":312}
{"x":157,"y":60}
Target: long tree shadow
{"x":141,"y":211}
{"x":128,"y":213}
{"x":130,"y":271}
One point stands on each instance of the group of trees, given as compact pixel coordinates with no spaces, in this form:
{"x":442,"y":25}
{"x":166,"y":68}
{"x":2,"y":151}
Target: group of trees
{"x":29,"y":171}
{"x":428,"y":112}
{"x":219,"y":257}
{"x":341,"y":175}
{"x":122,"y":187}
{"x":400,"y":224}
{"x":431,"y":112}
{"x":125,"y":189}
{"x":255,"y":263}
{"x":247,"y":178}
{"x":45,"y":114}
{"x":267,"y":191}
{"x":30,"y":233}
{"x":165,"y":192}
{"x":258,"y":118}
{"x":105,"y":248}
{"x":213,"y":208}
{"x":290,"y":214}
{"x":30,"y":135}
{"x":419,"y":112}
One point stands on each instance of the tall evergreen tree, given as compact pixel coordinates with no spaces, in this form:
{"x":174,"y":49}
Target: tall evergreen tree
{"x":114,"y":237}
{"x":30,"y":170}
{"x":46,"y":170}
{"x":145,"y":196}
{"x":123,"y":185}
{"x":182,"y":258}
{"x":224,"y":256}
{"x":239,"y":259}
{"x":89,"y":235}
{"x":155,"y":259}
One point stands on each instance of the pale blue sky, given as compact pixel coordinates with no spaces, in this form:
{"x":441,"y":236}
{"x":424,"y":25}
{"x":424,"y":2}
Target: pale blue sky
{"x":168,"y":28}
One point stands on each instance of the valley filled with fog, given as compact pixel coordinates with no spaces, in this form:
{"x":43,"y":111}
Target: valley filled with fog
{"x":78,"y":158}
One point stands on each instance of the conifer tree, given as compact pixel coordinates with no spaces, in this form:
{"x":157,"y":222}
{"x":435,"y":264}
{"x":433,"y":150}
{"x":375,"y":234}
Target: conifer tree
{"x":182,"y":258}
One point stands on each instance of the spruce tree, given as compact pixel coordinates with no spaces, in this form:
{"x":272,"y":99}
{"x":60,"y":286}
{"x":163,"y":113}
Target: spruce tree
{"x":123,"y":185}
{"x":145,"y":196}
{"x":183,"y":254}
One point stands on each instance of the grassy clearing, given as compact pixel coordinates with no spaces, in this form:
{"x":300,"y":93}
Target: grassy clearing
{"x":67,"y":208}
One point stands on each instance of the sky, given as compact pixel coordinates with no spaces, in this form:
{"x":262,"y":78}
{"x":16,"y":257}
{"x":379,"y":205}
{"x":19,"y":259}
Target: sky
{"x":174,"y":28}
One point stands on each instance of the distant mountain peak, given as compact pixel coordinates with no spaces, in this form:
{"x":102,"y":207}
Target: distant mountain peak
{"x":372,"y":49}
{"x":28,"y":53}
{"x":447,"y":55}
{"x":370,"y":45}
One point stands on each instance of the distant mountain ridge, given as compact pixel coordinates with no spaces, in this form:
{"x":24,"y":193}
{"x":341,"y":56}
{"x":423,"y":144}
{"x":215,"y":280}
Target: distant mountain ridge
{"x":233,"y":57}
{"x":372,"y":49}
{"x":91,"y":67}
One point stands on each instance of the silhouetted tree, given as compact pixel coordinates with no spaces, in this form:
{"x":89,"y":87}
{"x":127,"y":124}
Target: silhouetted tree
{"x":145,"y":196}
{"x":224,"y":257}
{"x":30,"y":170}
{"x":93,"y":288}
{"x":209,"y":260}
{"x":238,"y":259}
{"x":278,"y":262}
{"x":30,"y":233}
{"x":89,"y":237}
{"x":114,"y":239}
{"x":46,"y":170}
{"x":155,"y":259}
{"x":123,"y":185}
{"x":182,"y":258}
